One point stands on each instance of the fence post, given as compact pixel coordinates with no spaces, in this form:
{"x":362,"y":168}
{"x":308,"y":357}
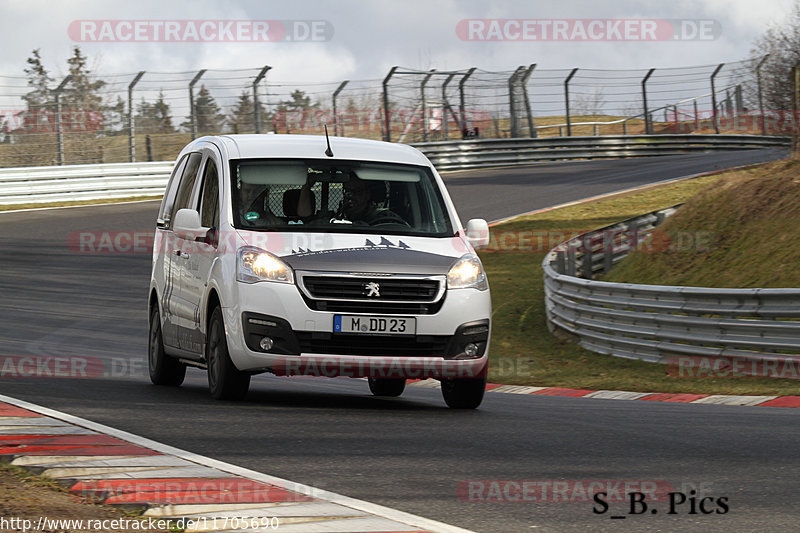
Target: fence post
{"x":525,"y":77}
{"x":795,"y":106}
{"x":696,"y":116}
{"x":192,"y":113}
{"x":335,"y":113}
{"x":59,"y":136}
{"x":761,"y":94}
{"x":131,"y":121}
{"x":512,"y":102}
{"x":446,"y":105}
{"x":648,"y":124}
{"x":714,"y":97}
{"x":461,"y":104}
{"x":424,"y":107}
{"x":387,"y":134}
{"x":256,"y":106}
{"x":566,"y":100}
{"x":677,"y":120}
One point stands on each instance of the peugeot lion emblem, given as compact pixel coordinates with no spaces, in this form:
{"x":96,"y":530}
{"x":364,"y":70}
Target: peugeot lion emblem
{"x":373,"y":288}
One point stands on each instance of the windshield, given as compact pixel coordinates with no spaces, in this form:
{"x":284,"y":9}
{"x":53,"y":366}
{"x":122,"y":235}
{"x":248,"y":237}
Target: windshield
{"x":339,"y":196}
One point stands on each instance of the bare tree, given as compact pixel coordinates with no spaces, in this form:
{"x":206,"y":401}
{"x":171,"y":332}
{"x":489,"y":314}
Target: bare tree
{"x":782,"y":42}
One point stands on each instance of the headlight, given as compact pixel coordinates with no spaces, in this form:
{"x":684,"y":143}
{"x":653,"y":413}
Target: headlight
{"x":467,"y":273}
{"x":254,"y":264}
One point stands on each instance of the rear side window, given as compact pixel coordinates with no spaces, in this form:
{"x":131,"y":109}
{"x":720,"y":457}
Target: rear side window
{"x":187,"y":183}
{"x":209,"y":201}
{"x":172,"y":188}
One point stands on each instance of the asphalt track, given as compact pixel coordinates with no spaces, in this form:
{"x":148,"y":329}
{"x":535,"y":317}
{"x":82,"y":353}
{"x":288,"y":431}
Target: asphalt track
{"x":409,"y":453}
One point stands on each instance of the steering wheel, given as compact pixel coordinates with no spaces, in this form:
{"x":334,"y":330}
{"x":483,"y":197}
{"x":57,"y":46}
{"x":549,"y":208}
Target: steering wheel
{"x":388,"y":217}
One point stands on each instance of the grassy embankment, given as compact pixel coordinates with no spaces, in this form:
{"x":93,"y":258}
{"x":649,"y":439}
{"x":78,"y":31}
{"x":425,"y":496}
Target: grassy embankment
{"x":751,"y":215}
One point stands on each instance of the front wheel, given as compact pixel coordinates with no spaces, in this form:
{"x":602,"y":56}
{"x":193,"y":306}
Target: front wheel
{"x":463,"y":393}
{"x":164,"y":370}
{"x":387,"y":387}
{"x":225,"y":381}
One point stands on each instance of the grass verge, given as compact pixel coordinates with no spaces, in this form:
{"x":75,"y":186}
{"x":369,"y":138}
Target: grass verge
{"x":524,"y":352}
{"x":25,"y":496}
{"x":78,"y":203}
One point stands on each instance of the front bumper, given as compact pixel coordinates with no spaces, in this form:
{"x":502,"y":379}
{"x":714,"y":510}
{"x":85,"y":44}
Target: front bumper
{"x":304,"y":342}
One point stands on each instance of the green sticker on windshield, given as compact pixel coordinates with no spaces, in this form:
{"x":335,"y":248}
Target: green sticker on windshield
{"x":251,"y":215}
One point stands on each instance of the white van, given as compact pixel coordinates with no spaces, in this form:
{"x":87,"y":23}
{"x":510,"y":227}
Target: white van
{"x":303,"y":255}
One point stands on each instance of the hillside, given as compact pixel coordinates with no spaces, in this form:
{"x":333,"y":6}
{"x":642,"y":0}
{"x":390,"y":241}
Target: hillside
{"x":741,"y":231}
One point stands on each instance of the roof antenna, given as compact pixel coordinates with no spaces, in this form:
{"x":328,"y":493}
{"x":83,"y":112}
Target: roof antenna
{"x":328,"y":151}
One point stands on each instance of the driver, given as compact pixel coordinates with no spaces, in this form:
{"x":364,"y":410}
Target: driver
{"x":359,"y":205}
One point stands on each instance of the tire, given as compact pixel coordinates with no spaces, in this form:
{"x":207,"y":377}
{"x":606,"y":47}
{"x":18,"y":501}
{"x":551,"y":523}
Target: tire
{"x":466,"y":393}
{"x":164,"y":370}
{"x":387,"y":387}
{"x":225,"y":381}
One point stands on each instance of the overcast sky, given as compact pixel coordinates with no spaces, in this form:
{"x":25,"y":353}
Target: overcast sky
{"x":371,"y":36}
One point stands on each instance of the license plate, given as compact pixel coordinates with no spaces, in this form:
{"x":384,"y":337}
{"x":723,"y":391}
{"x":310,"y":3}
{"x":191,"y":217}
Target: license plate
{"x":387,"y":325}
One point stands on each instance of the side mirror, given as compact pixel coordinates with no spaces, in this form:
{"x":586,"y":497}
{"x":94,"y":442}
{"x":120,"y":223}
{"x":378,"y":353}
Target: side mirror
{"x":187,"y":225}
{"x":478,"y":233}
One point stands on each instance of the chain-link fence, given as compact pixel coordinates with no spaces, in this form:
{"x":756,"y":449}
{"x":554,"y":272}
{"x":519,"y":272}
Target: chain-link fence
{"x":147,"y":116}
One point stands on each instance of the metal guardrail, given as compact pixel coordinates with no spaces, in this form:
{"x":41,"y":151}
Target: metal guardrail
{"x":37,"y":185}
{"x":452,"y":155}
{"x":659,"y":323}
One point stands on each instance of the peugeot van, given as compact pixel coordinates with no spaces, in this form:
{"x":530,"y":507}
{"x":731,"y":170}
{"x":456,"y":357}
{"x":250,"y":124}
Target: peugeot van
{"x":309,"y":255}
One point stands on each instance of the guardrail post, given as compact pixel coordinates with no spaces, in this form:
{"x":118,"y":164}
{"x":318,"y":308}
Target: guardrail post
{"x":761,"y":94}
{"x":387,"y":134}
{"x":424,"y":107}
{"x":648,"y":123}
{"x":608,"y":250}
{"x":560,"y":262}
{"x":588,"y":256}
{"x":566,"y":100}
{"x":525,"y":77}
{"x":714,"y":97}
{"x":256,"y":106}
{"x":192,"y":118}
{"x":571,"y":259}
{"x":462,"y":109}
{"x":131,"y":120}
{"x":335,"y":113}
{"x":59,"y":136}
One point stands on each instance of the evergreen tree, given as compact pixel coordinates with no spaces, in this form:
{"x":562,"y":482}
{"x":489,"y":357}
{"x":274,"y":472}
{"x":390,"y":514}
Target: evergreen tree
{"x":209,"y":120}
{"x":242,"y":118}
{"x":154,"y":117}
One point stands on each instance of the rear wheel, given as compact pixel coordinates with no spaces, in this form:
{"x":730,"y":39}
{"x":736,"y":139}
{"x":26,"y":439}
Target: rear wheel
{"x":225,"y":381}
{"x":164,"y":370}
{"x":463,"y":393}
{"x":387,"y":387}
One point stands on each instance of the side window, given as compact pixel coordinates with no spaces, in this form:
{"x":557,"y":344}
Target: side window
{"x":187,"y":182}
{"x":209,"y":199}
{"x":165,"y":212}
